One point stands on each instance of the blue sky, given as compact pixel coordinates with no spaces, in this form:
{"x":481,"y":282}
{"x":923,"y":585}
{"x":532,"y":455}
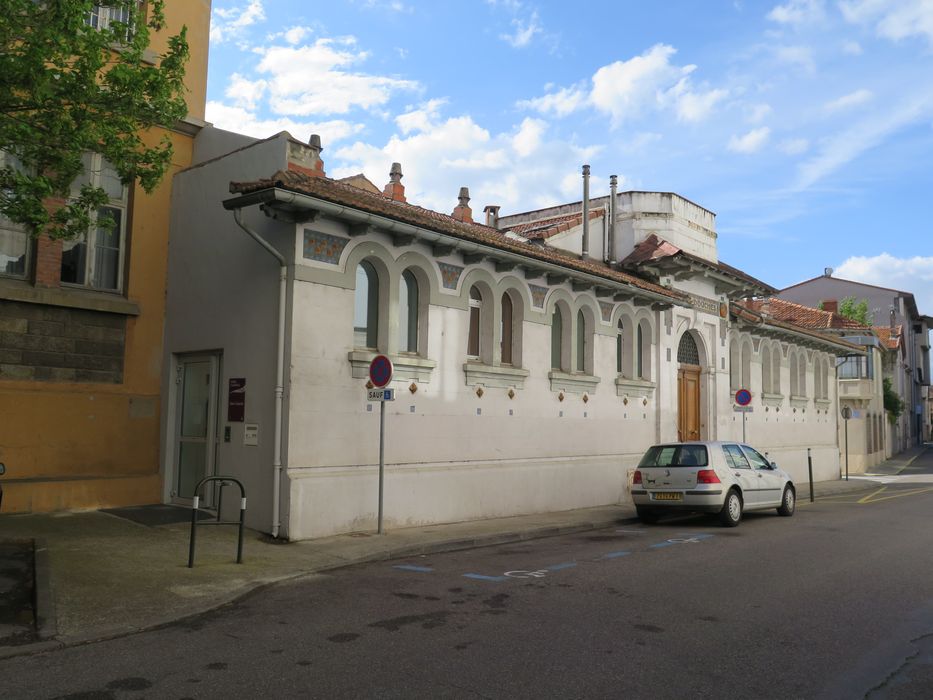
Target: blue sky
{"x":806,"y":125}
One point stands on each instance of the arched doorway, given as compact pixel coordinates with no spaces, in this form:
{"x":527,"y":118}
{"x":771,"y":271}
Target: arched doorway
{"x":688,"y":389}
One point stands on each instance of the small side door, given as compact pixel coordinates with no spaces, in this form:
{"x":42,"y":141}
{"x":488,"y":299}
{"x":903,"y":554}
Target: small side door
{"x":195,"y":424}
{"x":770,"y":482}
{"x":744,"y":475}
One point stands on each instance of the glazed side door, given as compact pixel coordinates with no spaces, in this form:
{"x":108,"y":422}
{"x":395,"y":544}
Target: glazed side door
{"x":770,"y":482}
{"x":739,"y":465}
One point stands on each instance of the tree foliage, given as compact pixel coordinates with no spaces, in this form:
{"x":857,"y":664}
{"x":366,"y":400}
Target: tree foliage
{"x":856,"y":310}
{"x":67,"y":87}
{"x":893,"y":404}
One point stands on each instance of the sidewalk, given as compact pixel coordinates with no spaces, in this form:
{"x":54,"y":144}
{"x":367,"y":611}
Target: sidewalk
{"x":100,"y":576}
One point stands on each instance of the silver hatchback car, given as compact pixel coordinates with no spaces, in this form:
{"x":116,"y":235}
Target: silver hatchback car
{"x":727,"y":478}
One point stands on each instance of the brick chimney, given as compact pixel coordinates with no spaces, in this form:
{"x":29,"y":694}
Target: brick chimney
{"x":492,"y":215}
{"x":306,"y":157}
{"x":462,"y":211}
{"x":395,"y":190}
{"x":831,"y":305}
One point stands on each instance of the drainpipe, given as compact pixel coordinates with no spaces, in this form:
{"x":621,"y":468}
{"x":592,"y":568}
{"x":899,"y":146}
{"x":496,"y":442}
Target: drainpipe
{"x":613,"y":184}
{"x":279,"y":371}
{"x":586,"y":212}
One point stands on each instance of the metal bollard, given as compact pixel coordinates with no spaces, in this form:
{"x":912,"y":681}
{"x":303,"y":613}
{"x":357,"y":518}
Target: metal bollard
{"x":810,"y":470}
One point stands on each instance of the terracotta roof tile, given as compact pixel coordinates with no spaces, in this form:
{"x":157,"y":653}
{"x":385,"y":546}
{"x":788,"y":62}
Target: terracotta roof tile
{"x":545,"y":228}
{"x":890,"y":340}
{"x":338,"y":193}
{"x":656,"y":248}
{"x":804,"y":316}
{"x":757,"y":311}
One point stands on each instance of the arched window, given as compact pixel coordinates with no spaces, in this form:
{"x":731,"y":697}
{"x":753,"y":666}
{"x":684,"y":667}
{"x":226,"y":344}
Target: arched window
{"x":802,"y":374}
{"x":643,"y":350}
{"x":476,"y":305}
{"x":620,"y":345}
{"x":366,"y":307}
{"x":687,"y":352}
{"x":506,"y":329}
{"x":746,"y":365}
{"x":765,"y":369}
{"x":776,"y":369}
{"x":581,"y":342}
{"x":794,"y":378}
{"x":408,"y":313}
{"x":735,"y":366}
{"x":557,"y":339}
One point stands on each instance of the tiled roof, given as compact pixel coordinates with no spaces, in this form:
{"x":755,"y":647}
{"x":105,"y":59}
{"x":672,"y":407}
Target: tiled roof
{"x":755,"y":311}
{"x":338,"y":193}
{"x":545,"y":228}
{"x":890,"y":340}
{"x":656,"y":248}
{"x":804,"y":316}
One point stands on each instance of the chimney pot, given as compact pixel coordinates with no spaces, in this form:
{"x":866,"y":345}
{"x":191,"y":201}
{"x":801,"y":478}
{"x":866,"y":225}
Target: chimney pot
{"x":395,"y":190}
{"x":492,"y":215}
{"x":315,"y":142}
{"x":462,"y":211}
{"x":831,"y":305}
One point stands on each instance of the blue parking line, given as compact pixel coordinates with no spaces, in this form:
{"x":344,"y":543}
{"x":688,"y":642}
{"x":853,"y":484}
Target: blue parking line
{"x":615,"y":555}
{"x":481,"y":577}
{"x":660,"y":544}
{"x":565,"y":565}
{"x":412,"y":567}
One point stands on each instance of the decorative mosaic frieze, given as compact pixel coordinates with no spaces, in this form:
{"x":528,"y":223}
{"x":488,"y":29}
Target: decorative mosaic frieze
{"x":605,"y":309}
{"x":537,"y":295}
{"x":450,"y":274}
{"x":323,"y":247}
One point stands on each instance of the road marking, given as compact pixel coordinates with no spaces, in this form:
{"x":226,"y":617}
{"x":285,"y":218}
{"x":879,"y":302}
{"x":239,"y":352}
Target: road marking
{"x":565,"y":565}
{"x":481,"y":577}
{"x":870,"y":498}
{"x":633,"y":532}
{"x":412,"y":567}
{"x":682,"y":540}
{"x":615,"y":555}
{"x":521,"y":573}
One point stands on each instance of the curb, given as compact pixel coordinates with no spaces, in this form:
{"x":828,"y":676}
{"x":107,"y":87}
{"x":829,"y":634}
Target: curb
{"x":43,"y":601}
{"x":396,"y":552}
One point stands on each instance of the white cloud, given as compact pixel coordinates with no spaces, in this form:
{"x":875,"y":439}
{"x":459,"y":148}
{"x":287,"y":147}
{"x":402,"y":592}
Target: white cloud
{"x":623,"y":87}
{"x":244,"y":121}
{"x":853,"y":48}
{"x":230,"y":23}
{"x":892,"y":20}
{"x":245,"y":93}
{"x":914,"y":275}
{"x":525,"y":30}
{"x":798,"y":12}
{"x":314,"y":79}
{"x":800,"y":56}
{"x":756,"y":113}
{"x":561,"y":103}
{"x":853,"y":99}
{"x":794,"y":147}
{"x":752,"y":142}
{"x":693,"y":106}
{"x":516,"y":167}
{"x":845,"y":146}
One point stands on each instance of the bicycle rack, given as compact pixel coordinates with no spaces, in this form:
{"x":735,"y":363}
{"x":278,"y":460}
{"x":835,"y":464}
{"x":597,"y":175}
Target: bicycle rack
{"x":224,"y":481}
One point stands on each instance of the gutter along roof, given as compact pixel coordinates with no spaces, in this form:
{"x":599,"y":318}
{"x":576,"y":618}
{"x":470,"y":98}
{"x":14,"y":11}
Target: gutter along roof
{"x":769,"y":325}
{"x":485,"y":239}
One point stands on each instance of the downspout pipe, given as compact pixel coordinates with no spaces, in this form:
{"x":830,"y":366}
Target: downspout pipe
{"x":613,"y":186}
{"x":279,"y":371}
{"x":586,"y":212}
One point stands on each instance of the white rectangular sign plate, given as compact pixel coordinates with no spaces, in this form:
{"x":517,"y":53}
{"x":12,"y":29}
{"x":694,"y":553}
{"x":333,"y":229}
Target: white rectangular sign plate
{"x":380,"y":394}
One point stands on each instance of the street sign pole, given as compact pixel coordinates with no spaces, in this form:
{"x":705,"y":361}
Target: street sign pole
{"x":743,"y":397}
{"x":382,"y":461}
{"x":743,"y":426}
{"x":846,"y":415}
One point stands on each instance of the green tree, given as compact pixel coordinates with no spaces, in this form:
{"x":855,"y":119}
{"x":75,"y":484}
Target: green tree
{"x":76,"y":76}
{"x":893,"y":403}
{"x":856,"y":310}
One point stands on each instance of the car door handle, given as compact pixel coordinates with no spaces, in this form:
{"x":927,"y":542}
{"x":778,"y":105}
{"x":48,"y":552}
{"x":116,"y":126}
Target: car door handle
{"x":760,"y":476}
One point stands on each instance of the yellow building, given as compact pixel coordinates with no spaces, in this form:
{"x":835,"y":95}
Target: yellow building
{"x":81,"y":332}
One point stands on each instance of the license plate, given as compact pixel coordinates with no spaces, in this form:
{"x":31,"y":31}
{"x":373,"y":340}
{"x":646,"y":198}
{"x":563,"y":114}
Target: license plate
{"x":668,"y":496}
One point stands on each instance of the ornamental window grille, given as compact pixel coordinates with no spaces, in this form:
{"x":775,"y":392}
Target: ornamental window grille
{"x":687,"y":351}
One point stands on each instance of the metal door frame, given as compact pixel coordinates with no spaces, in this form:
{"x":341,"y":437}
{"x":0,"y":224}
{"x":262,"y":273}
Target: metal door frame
{"x":213,"y":417}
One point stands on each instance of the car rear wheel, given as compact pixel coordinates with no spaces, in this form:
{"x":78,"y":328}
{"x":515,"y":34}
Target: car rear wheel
{"x":788,"y":502}
{"x":649,"y":517}
{"x":731,"y":512}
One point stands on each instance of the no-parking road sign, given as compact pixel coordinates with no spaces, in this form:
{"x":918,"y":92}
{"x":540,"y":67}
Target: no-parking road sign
{"x":380,"y":371}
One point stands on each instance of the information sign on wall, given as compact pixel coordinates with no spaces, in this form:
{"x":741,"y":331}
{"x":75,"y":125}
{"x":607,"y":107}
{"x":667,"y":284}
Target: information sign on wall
{"x":236,"y":400}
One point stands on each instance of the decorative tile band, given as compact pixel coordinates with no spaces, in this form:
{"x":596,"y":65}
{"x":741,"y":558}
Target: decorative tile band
{"x":450,"y":274}
{"x":605,"y":308}
{"x":537,"y":295}
{"x":323,"y":247}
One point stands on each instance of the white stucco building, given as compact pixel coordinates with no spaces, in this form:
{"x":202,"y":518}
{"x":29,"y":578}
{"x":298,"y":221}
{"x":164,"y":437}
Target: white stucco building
{"x":536,"y":356}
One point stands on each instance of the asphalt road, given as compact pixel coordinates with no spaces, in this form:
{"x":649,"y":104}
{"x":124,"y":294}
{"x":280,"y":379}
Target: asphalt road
{"x":836,"y":602}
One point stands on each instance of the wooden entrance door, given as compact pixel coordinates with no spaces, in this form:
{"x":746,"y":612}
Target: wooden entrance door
{"x":688,"y":403}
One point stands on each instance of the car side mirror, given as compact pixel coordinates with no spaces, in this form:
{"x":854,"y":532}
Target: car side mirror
{"x":773,"y":465}
{"x":2,"y":469}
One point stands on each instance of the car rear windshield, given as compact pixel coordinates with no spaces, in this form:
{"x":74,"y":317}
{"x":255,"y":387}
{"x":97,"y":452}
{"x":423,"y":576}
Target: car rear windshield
{"x":675,"y":456}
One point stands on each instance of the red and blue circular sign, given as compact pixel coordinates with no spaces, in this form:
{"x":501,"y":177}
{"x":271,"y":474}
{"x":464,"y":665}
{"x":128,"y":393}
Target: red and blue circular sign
{"x":380,"y":371}
{"x":743,"y":397}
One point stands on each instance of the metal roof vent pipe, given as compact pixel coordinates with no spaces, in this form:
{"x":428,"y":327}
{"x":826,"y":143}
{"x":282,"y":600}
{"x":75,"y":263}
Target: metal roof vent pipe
{"x":613,"y":186}
{"x":492,"y":215}
{"x":586,"y":212}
